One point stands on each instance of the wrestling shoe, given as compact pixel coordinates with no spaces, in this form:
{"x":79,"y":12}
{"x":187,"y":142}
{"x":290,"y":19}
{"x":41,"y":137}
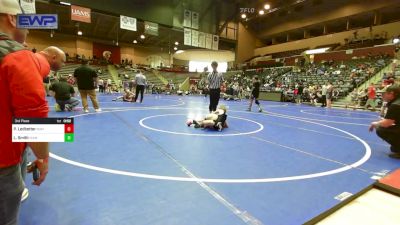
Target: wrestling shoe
{"x":197,"y":126}
{"x":260,"y":110}
{"x":97,"y":110}
{"x":68,"y":107}
{"x":219,"y":125}
{"x":86,"y":110}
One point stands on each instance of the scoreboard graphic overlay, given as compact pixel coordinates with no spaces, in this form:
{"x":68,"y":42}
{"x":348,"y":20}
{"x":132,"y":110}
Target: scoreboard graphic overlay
{"x":43,"y":130}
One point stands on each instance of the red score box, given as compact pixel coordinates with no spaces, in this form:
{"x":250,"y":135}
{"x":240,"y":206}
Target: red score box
{"x":68,"y":128}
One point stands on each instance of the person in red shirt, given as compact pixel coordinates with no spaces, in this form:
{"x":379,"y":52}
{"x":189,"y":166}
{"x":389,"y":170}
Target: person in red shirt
{"x":21,"y":95}
{"x":371,"y":97}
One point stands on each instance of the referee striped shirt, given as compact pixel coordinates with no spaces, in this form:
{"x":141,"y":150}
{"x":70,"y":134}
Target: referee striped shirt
{"x":215,"y":80}
{"x":140,"y":79}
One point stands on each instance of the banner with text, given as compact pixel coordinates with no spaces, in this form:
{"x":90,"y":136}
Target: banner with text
{"x":195,"y":20}
{"x":209,"y":39}
{"x":195,"y":38}
{"x":28,"y":6}
{"x":127,"y":23}
{"x":187,"y":18}
{"x":151,"y":28}
{"x":187,"y":36}
{"x":202,"y":40}
{"x":215,"y":42}
{"x":81,"y":14}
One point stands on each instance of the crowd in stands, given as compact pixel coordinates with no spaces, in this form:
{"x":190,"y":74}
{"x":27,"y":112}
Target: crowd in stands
{"x":311,"y":84}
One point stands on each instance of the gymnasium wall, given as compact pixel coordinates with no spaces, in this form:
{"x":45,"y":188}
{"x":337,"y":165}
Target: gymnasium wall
{"x":98,"y":50}
{"x":84,"y":47}
{"x":179,"y":62}
{"x":393,"y":29}
{"x":337,"y":55}
{"x":346,"y":55}
{"x":127,"y":52}
{"x":318,"y":16}
{"x":41,"y":40}
{"x":74,"y":45}
{"x":159,"y":11}
{"x":147,"y":56}
{"x":245,"y":44}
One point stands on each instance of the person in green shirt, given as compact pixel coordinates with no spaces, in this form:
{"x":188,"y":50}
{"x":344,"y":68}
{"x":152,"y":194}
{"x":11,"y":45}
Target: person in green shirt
{"x":63,"y":93}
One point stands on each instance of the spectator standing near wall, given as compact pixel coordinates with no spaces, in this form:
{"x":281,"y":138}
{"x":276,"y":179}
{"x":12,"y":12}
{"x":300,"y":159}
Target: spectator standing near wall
{"x":329,"y":94}
{"x":86,"y":78}
{"x":371,"y":97}
{"x":109,"y":86}
{"x":300,"y":90}
{"x":101,"y":85}
{"x":255,"y":93}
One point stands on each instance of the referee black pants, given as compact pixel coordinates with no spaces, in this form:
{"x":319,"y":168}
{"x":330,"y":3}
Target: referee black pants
{"x":214,"y":99}
{"x":139,"y":89}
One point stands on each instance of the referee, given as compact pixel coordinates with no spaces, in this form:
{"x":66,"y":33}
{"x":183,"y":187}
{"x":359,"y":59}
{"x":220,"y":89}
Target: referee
{"x":141,"y":82}
{"x":215,"y":80}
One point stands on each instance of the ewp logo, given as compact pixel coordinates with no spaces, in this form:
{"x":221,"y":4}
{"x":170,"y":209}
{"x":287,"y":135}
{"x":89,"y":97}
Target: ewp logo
{"x":37,"y":21}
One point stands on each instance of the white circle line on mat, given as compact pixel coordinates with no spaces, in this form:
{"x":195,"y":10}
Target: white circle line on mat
{"x":315,"y":113}
{"x":217,"y":134}
{"x":358,"y":163}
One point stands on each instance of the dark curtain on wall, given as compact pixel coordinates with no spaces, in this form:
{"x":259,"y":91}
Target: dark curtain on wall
{"x":98,"y":50}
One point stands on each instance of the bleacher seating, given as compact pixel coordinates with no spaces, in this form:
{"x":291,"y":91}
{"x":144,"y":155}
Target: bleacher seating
{"x":362,"y":44}
{"x":340,"y":74}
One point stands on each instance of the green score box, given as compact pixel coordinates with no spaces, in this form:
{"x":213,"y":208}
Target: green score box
{"x":69,"y":138}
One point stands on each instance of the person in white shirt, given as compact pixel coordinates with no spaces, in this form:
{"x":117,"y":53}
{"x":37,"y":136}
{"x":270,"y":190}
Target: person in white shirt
{"x":109,"y":86}
{"x":101,"y":85}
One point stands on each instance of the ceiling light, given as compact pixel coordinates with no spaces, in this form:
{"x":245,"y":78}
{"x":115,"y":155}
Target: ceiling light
{"x":142,"y":36}
{"x":243,"y":16}
{"x":261,"y":12}
{"x":80,"y":33}
{"x":175,"y":48}
{"x":396,"y":40}
{"x":316,"y":51}
{"x":176,"y":43}
{"x":134,"y":42}
{"x":267,"y":6}
{"x":65,"y":3}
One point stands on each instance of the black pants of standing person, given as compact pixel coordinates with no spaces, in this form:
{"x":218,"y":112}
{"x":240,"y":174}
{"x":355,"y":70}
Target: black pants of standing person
{"x":214,"y":99}
{"x":323,"y":101}
{"x":139,"y":89}
{"x":390,"y":135}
